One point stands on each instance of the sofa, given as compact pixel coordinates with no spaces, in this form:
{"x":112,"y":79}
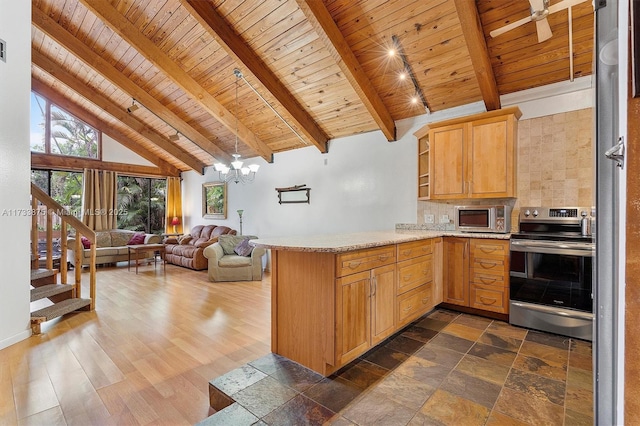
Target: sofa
{"x":111,"y":246}
{"x":232,"y":258}
{"x":188,"y":250}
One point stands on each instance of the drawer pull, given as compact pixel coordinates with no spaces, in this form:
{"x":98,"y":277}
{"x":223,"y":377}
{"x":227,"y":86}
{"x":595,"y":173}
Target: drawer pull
{"x":425,"y":300}
{"x":487,"y":281}
{"x":488,"y":249}
{"x":407,"y":277}
{"x":487,"y":265}
{"x":383,"y":257}
{"x":484,"y":299}
{"x":354,"y":265}
{"x":408,"y":308}
{"x":406,"y":252}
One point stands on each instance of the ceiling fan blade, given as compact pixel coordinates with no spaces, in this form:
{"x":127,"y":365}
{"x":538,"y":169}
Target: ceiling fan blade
{"x":509,"y":27}
{"x":564,"y":4}
{"x":543,"y":29}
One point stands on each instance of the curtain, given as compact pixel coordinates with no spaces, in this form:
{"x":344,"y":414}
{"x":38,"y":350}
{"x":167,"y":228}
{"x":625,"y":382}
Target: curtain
{"x":100,"y":199}
{"x":174,"y":205}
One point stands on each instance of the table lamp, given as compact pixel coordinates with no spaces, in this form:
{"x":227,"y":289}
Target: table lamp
{"x":175,"y":222}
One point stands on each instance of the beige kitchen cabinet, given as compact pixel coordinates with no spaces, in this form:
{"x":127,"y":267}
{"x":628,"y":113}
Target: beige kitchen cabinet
{"x":469,"y":158}
{"x":329,"y":308}
{"x":476,"y":273}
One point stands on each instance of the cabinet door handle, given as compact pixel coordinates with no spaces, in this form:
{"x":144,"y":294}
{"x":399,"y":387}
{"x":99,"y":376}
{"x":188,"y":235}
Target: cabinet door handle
{"x":373,"y":286}
{"x":487,"y":265}
{"x":354,"y":265}
{"x":466,"y":248}
{"x":484,"y":299}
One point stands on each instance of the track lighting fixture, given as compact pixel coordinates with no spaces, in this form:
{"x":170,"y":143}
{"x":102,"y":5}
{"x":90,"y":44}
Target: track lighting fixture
{"x":174,"y":138}
{"x":133,"y":107}
{"x":407,"y":73}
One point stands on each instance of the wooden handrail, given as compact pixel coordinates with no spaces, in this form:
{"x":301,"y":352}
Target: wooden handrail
{"x":55,"y":208}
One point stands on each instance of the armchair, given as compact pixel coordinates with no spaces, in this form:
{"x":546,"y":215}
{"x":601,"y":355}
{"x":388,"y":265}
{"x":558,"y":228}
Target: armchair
{"x":225,"y":264}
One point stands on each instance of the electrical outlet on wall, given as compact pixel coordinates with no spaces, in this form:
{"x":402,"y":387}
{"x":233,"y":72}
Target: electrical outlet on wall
{"x":444,"y":218}
{"x":429,"y":218}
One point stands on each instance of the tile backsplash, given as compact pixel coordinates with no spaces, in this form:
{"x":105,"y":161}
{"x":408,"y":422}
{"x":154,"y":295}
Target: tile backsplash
{"x":556,"y":168}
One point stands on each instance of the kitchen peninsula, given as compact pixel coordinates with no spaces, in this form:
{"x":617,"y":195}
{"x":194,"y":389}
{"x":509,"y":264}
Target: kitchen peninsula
{"x":336,"y":296}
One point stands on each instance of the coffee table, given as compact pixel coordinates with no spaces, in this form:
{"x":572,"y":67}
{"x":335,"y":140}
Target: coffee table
{"x":143,"y":248}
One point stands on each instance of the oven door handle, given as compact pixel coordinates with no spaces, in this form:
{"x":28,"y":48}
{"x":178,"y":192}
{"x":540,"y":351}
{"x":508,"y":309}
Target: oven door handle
{"x":556,"y":247}
{"x":551,"y":310}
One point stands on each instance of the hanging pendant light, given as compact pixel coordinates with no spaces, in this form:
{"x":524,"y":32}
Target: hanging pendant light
{"x":236,"y":172}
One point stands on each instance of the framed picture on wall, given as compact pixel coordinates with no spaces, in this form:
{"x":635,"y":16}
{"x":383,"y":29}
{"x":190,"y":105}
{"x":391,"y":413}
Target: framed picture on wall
{"x":214,"y":200}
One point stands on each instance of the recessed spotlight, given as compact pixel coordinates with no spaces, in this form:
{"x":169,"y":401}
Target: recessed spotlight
{"x":414,"y":100}
{"x":402,"y":75}
{"x":392,"y":52}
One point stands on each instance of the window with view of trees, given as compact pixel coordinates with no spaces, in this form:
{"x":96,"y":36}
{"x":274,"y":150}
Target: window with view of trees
{"x":55,"y":131}
{"x":141,"y":203}
{"x":63,"y":187}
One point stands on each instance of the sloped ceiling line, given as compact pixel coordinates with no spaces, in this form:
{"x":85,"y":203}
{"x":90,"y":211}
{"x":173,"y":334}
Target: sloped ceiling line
{"x":121,"y":26}
{"x":235,"y":47}
{"x":80,"y":112}
{"x":114,"y":110}
{"x":326,"y":28}
{"x":102,"y":67}
{"x":479,"y":53}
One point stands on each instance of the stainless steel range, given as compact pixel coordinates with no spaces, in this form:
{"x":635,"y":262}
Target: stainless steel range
{"x":551,"y":280}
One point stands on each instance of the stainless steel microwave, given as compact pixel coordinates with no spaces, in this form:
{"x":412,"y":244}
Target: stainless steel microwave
{"x":495,"y":219}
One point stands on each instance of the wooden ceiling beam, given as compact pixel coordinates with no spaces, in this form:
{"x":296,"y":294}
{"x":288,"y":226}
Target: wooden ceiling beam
{"x":125,"y":29}
{"x":43,"y":89}
{"x":324,"y":25}
{"x":478,"y":52}
{"x":47,"y":161}
{"x":115,"y":110}
{"x":87,"y":55}
{"x":235,"y":47}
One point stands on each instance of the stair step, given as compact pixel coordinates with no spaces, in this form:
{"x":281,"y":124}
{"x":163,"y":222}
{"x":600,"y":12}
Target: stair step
{"x":40,"y":273}
{"x":58,"y":309}
{"x":49,"y":290}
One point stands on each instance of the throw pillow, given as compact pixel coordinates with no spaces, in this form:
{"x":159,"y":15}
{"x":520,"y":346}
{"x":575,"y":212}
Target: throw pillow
{"x":243,"y":248}
{"x":85,"y":242}
{"x":185,"y":239}
{"x":138,"y":238}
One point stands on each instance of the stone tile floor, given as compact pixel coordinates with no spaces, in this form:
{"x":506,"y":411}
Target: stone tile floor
{"x":446,"y":368}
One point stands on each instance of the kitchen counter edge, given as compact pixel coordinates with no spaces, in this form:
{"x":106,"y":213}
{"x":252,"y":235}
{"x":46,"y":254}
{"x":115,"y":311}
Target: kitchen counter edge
{"x":339,"y":243}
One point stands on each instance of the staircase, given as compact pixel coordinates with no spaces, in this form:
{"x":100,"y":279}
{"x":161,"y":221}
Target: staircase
{"x":62,"y":298}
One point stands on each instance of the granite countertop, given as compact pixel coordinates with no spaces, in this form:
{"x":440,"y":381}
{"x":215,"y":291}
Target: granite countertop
{"x":338,"y":243}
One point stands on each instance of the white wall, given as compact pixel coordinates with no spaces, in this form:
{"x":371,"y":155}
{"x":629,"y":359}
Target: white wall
{"x":363,"y":183}
{"x":15,"y":162}
{"x":117,"y":153}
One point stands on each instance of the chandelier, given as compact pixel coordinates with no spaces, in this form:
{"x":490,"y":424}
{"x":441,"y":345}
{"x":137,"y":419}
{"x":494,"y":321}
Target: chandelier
{"x":236,"y":172}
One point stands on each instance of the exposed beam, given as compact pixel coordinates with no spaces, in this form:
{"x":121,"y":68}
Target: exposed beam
{"x":165,"y":168}
{"x":41,"y":161}
{"x":125,"y":29}
{"x":324,"y":25}
{"x":235,"y":47}
{"x":478,"y":51}
{"x":87,"y":55}
{"x":115,"y":110}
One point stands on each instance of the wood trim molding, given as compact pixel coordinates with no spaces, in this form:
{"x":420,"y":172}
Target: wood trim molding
{"x":61,"y":162}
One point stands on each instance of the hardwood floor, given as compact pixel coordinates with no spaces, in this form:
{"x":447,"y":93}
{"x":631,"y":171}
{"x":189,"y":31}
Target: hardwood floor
{"x":145,"y":356}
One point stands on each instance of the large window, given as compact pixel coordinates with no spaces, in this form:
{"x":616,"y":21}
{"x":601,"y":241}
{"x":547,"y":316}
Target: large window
{"x":63,"y":187}
{"x":55,"y":131}
{"x":142,"y":202}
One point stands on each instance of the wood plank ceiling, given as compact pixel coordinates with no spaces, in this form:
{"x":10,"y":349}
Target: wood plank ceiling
{"x":322,"y":65}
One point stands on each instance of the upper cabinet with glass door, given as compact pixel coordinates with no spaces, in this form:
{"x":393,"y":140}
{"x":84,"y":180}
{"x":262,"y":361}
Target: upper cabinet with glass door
{"x":469,"y":157}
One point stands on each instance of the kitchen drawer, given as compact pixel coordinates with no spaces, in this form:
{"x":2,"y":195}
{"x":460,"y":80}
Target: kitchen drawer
{"x":413,"y":273}
{"x":489,"y":298}
{"x":483,"y":278}
{"x":414,"y":249}
{"x":413,"y":304}
{"x":488,"y":266}
{"x":489,"y":249}
{"x":363,"y":260}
